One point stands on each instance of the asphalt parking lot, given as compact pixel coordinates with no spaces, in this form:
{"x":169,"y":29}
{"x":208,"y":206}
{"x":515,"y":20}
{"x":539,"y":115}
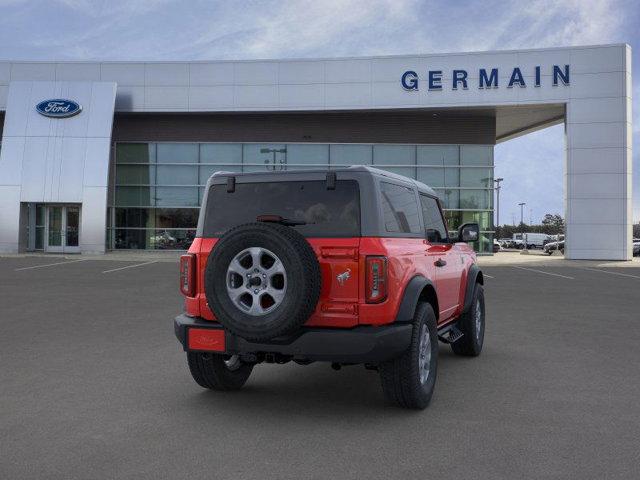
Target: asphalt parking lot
{"x":95,"y":386}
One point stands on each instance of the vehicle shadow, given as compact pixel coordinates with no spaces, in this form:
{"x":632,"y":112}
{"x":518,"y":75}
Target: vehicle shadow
{"x":288,"y":391}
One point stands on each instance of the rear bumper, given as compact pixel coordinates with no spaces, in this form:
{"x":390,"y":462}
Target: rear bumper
{"x":363,"y":344}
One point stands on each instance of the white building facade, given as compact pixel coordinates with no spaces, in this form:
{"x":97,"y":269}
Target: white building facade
{"x":107,"y":155}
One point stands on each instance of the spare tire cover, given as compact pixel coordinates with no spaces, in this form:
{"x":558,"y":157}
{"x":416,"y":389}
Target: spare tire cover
{"x":262,"y":280}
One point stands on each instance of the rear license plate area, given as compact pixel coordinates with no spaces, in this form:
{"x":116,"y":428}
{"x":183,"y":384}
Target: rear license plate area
{"x":206,"y":339}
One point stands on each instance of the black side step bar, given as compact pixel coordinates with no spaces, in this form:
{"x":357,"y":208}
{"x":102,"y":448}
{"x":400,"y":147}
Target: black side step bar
{"x":450,"y":334}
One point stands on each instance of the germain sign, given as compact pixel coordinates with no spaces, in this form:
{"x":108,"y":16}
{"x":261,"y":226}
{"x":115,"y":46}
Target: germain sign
{"x":487,"y":78}
{"x":58,"y":108}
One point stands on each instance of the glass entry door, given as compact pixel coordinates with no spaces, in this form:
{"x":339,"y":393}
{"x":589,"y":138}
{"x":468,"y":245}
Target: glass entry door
{"x":62,"y":229}
{"x":54,"y":230}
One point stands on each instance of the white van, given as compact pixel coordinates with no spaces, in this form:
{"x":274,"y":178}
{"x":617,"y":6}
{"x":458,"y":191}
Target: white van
{"x":532,"y":240}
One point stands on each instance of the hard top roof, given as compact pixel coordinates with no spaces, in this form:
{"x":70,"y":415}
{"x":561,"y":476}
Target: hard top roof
{"x":365,"y":169}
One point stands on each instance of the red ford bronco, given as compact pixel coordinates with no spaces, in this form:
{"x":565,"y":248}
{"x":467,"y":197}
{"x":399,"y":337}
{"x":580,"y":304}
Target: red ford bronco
{"x":347,"y":266}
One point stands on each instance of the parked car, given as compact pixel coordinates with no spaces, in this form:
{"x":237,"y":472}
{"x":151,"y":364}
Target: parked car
{"x":636,"y":247}
{"x":553,"y":246}
{"x":349,"y":266}
{"x":496,"y":246}
{"x":533,"y":240}
{"x":506,"y":242}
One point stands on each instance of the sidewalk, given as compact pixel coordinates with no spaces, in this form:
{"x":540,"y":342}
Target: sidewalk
{"x":536,"y":257}
{"x":119,"y":256}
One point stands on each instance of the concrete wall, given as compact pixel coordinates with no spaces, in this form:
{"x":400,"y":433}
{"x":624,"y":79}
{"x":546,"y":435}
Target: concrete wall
{"x":56,"y":160}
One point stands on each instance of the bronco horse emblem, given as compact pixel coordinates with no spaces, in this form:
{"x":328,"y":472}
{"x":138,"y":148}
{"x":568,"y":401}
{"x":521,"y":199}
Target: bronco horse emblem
{"x":344,"y":276}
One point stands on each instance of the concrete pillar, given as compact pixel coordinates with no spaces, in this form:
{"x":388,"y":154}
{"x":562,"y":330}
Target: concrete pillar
{"x":598,"y":171}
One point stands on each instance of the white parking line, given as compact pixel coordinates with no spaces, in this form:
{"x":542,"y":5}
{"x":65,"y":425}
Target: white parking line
{"x":545,"y":273}
{"x":130,"y":266}
{"x":49,"y":265}
{"x":488,"y":276}
{"x":610,"y":273}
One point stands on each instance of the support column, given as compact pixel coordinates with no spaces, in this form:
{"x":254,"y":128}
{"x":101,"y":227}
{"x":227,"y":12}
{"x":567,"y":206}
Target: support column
{"x":598,"y":208}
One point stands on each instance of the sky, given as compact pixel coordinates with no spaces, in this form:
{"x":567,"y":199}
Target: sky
{"x":532,"y":165}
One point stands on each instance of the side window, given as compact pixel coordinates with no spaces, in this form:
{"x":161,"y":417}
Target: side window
{"x":433,"y":224}
{"x":399,"y":208}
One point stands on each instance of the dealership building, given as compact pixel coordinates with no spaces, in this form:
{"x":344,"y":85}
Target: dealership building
{"x":99,"y":156}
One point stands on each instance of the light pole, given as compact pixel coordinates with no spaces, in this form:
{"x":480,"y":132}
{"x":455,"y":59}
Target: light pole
{"x":275,"y":151}
{"x":524,"y":240}
{"x":522,"y":212}
{"x":497,"y":182}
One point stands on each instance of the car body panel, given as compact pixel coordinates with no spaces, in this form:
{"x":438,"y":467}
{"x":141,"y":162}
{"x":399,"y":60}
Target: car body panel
{"x":342,"y":302}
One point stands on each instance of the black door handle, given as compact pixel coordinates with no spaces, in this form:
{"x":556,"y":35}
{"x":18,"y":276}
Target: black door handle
{"x":440,"y":263}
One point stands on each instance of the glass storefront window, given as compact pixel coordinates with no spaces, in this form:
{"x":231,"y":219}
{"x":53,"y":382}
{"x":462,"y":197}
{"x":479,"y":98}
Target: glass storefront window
{"x":434,"y":177}
{"x":307,"y":157}
{"x":452,"y":177}
{"x":260,"y":157}
{"x":476,"y":155}
{"x":484,"y":219}
{"x":476,"y":199}
{"x":177,"y":175}
{"x":456,"y":219}
{"x":224,"y":157}
{"x":39,"y":227}
{"x":449,"y":198}
{"x":386,"y":155}
{"x":40,"y":216}
{"x":221,"y":153}
{"x":156,"y":217}
{"x":159,"y":186}
{"x":476,"y":177}
{"x":134,"y":217}
{"x":177,"y":197}
{"x":438,"y":155}
{"x":135,"y":153}
{"x":176,"y":217}
{"x":135,"y":174}
{"x":486,"y":243}
{"x":158,"y":239}
{"x":134,"y":196}
{"x":351,"y":154}
{"x":178,"y":152}
{"x":39,"y":238}
{"x":207,"y":170}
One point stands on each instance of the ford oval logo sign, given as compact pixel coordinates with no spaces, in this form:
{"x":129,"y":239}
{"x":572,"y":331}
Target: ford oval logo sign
{"x":58,"y":108}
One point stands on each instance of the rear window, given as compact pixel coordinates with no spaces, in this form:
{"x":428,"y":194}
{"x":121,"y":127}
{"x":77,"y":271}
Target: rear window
{"x":328,"y":213}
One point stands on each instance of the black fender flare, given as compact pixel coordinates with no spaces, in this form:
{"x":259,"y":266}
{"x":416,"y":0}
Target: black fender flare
{"x":410,"y":298}
{"x":473,"y":276}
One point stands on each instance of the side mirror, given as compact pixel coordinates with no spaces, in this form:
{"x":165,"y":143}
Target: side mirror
{"x":469,"y":232}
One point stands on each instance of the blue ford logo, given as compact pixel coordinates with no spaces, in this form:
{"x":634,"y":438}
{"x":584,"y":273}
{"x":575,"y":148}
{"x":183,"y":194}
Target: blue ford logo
{"x":58,"y":108}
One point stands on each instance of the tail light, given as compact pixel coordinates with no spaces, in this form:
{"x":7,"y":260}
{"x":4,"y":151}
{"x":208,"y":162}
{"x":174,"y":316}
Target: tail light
{"x":188,"y":274}
{"x":376,"y":282}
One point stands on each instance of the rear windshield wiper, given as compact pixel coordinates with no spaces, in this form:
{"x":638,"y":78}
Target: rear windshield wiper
{"x":281,"y":220}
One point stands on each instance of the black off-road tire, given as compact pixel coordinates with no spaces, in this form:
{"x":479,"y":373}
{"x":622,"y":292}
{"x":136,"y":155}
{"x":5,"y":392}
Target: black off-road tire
{"x":401,"y":377}
{"x":303,"y":280}
{"x":470,"y":345}
{"x":210,"y":371}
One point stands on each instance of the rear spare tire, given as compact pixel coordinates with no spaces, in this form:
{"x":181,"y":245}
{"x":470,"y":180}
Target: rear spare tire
{"x":262,"y":280}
